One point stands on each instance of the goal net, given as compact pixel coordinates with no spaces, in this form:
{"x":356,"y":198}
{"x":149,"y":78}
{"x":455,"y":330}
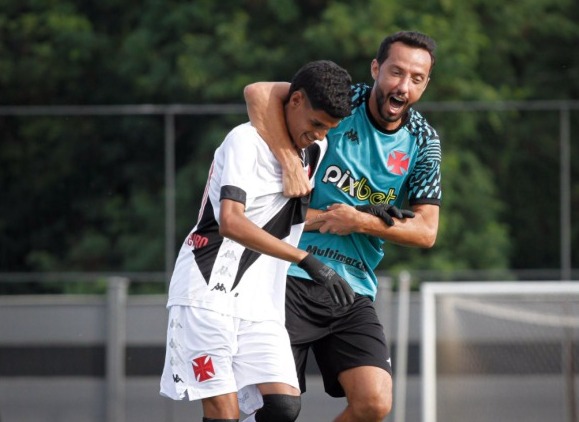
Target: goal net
{"x":500,"y":351}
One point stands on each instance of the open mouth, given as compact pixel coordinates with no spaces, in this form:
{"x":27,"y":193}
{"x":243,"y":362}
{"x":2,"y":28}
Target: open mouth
{"x":396,"y":103}
{"x":305,"y":141}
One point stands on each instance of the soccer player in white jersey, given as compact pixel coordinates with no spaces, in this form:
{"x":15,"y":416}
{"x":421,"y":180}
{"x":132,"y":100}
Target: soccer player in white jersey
{"x":381,"y":154}
{"x":226,"y":340}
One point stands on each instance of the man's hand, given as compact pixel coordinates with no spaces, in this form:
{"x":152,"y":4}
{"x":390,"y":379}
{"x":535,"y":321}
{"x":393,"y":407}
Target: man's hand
{"x":386,"y":212}
{"x":340,"y":219}
{"x":295,"y":179}
{"x":339,"y":289}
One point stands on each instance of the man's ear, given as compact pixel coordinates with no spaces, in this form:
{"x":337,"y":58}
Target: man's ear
{"x":296,"y":98}
{"x":374,"y":69}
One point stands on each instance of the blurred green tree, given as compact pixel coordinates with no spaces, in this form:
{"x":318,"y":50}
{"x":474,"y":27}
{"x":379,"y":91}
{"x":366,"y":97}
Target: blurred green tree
{"x":86,"y":193}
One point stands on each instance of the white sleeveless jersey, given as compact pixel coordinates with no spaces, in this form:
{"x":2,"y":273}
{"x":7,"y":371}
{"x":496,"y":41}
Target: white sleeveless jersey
{"x":220,"y":274}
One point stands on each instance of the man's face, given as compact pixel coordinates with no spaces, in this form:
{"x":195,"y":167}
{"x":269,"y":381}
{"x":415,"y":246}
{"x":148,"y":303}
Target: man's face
{"x":306,"y":125}
{"x":398,"y":83}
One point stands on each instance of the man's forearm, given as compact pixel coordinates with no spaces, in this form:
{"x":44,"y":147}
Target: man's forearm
{"x":342,"y":220}
{"x":419,"y":231}
{"x":265,"y":108}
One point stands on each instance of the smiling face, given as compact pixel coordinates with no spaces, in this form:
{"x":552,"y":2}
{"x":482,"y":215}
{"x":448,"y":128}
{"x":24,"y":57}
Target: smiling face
{"x":399,"y":82}
{"x":305,"y":124}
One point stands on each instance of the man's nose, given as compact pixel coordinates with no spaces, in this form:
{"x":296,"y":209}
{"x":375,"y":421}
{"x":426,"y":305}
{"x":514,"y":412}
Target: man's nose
{"x":403,"y":84}
{"x":320,"y":134}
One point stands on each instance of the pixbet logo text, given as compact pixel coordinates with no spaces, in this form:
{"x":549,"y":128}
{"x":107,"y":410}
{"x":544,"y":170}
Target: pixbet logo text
{"x":359,"y":189}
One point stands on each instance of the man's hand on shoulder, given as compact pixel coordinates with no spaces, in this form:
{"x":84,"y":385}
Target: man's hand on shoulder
{"x":295,"y":179}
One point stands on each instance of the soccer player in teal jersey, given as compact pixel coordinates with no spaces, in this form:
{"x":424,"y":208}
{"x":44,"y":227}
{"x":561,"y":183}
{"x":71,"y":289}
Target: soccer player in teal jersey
{"x":358,"y":170}
{"x":383,"y":153}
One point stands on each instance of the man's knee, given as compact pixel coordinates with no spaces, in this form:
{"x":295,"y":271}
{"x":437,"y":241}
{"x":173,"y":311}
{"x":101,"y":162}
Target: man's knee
{"x":371,"y":409}
{"x":279,"y":407}
{"x":369,"y":392}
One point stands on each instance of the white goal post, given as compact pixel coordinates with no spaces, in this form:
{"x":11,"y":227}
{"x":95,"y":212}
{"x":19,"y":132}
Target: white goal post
{"x":453,"y":311}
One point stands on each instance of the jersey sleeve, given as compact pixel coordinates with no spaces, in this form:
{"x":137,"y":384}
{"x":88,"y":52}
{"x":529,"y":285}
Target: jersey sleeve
{"x":360,"y":92}
{"x":238,"y":156}
{"x":424,"y":183}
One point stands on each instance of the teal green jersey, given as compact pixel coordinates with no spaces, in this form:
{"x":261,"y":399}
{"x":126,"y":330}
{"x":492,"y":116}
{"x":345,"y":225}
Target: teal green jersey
{"x":365,"y":164}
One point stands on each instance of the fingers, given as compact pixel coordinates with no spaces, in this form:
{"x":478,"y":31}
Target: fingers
{"x":335,"y":297}
{"x":386,"y":212}
{"x":295,"y":191}
{"x":387,"y":218}
{"x":344,"y":291}
{"x":395,"y":212}
{"x":338,"y":295}
{"x":317,"y":219}
{"x":295,"y":184}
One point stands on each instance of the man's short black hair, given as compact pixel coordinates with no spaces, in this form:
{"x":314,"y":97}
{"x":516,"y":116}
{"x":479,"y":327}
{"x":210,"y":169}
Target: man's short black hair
{"x":409,"y":38}
{"x":327,"y":86}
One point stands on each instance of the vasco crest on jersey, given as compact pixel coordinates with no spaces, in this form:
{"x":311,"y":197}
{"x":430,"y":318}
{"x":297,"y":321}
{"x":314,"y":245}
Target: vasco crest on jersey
{"x":398,"y":162}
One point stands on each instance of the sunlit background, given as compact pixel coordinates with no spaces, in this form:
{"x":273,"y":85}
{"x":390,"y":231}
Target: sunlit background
{"x":109,"y":115}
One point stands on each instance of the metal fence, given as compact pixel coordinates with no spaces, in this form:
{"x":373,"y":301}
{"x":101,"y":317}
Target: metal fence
{"x":99,"y":357}
{"x":169,"y":112}
{"x":114,"y":335}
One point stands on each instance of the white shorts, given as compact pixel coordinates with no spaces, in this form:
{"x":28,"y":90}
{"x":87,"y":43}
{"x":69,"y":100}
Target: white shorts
{"x":209,"y":354}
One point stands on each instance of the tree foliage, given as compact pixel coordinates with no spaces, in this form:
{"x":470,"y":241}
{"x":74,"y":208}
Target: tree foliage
{"x":86,"y":193}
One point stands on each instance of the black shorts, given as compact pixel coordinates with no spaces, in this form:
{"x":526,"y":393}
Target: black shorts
{"x":340,"y":337}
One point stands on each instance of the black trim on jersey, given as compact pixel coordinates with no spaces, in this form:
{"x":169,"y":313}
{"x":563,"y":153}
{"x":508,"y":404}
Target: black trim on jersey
{"x":234,"y":193}
{"x":293,"y":211}
{"x":312,"y":158}
{"x":207,"y":228}
{"x":429,"y":201}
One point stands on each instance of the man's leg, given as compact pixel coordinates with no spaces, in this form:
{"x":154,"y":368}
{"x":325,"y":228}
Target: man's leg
{"x":354,"y":362}
{"x":281,"y":403}
{"x":223,"y":407}
{"x":369,"y":394}
{"x":264,"y":368}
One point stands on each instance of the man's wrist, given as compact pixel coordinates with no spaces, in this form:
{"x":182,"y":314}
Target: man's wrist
{"x":288,"y":159}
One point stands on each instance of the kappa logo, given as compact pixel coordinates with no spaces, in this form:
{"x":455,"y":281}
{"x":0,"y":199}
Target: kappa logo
{"x":224,"y":271}
{"x":176,"y":360}
{"x":352,"y":135}
{"x":177,"y":378}
{"x":175,"y":324}
{"x":203,"y":368}
{"x":219,"y":287}
{"x":228,"y":255}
